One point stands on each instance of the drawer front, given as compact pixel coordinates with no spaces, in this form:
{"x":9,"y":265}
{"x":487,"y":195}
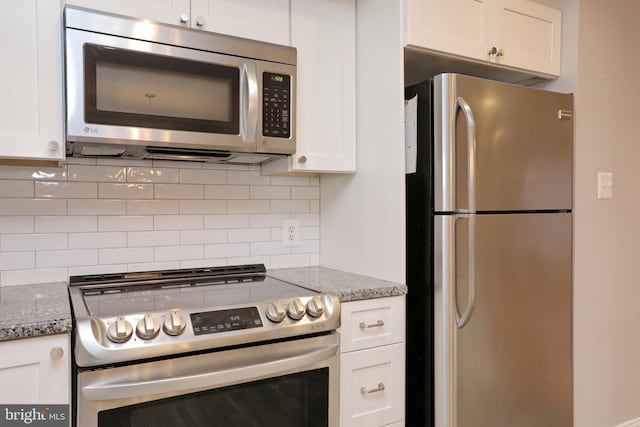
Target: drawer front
{"x":372,"y":323}
{"x":372,"y":386}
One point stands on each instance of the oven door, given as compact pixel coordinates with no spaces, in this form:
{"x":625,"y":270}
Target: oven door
{"x":291,"y":383}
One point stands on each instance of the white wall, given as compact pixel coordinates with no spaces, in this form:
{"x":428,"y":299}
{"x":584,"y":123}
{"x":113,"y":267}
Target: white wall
{"x":607,"y":232}
{"x":105,"y":216}
{"x":362,"y":215}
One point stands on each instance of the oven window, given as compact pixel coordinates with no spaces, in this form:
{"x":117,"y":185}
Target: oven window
{"x":295,"y":400}
{"x":130,"y":88}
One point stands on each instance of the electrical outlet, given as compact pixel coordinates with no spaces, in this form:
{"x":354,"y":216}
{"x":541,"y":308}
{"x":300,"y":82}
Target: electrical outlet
{"x":605,"y":185}
{"x":290,"y":233}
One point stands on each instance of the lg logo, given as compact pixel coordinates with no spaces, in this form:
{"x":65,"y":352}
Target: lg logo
{"x":88,"y":129}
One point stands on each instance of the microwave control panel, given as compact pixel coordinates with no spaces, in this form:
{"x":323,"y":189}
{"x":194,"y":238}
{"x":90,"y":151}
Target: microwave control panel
{"x":276,"y":105}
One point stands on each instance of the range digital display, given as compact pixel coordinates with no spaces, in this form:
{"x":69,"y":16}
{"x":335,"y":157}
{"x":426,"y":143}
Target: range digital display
{"x":212,"y":322}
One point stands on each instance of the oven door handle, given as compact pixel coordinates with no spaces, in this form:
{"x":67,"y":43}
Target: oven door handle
{"x":232,"y":374}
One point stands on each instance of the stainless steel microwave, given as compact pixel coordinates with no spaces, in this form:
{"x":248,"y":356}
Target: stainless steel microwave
{"x":136,"y":88}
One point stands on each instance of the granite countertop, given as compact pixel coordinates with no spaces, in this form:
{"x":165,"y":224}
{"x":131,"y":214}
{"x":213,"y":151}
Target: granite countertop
{"x":347,"y":286}
{"x":34,"y":310}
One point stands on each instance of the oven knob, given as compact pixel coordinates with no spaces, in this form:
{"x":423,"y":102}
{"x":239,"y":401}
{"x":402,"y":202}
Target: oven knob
{"x":296,"y":309}
{"x":174,"y":324}
{"x":120,"y":330}
{"x":315,"y":307}
{"x":148,"y":327}
{"x":275,"y":312}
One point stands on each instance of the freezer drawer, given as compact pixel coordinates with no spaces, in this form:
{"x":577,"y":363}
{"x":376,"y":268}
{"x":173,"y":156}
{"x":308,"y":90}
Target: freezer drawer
{"x":510,"y":364}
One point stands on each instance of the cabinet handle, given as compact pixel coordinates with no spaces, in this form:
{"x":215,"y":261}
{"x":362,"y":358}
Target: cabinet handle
{"x":364,"y":391}
{"x":200,"y":21}
{"x":53,"y":146}
{"x":56,"y":353}
{"x":378,"y":324}
{"x":302,"y":159}
{"x":493,"y":51}
{"x":500,"y":52}
{"x":184,"y":18}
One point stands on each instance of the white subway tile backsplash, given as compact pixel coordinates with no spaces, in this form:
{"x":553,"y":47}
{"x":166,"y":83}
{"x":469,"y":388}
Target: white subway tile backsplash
{"x":179,"y":191}
{"x":111,"y":215}
{"x":227,"y":192}
{"x":267,"y":192}
{"x":33,"y":242}
{"x":178,"y":222}
{"x":290,"y":180}
{"x":153,"y":175}
{"x":67,"y":190}
{"x":314,"y":259}
{"x":226,"y":221}
{"x":17,"y":260}
{"x":153,"y":207}
{"x":57,"y":224}
{"x":125,"y":191}
{"x":146,"y":266}
{"x":66,"y":258}
{"x":203,"y":206}
{"x":126,"y":255}
{"x":125,"y":223}
{"x":96,"y":207}
{"x":16,"y":224}
{"x":97,"y":240}
{"x":205,"y":176}
{"x":32,"y":276}
{"x":247,"y":178}
{"x":309,"y":193}
{"x":179,"y":253}
{"x":194,"y":237}
{"x":291,"y":206}
{"x":249,"y":235}
{"x":96,"y":173}
{"x":15,"y":188}
{"x":153,"y":238}
{"x":227,"y":250}
{"x":267,"y":220}
{"x":33,"y":173}
{"x":289,"y":261}
{"x":268,"y":248}
{"x":248,"y":206}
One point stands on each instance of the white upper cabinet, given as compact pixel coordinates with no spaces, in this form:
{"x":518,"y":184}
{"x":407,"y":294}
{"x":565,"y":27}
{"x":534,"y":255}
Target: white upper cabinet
{"x":323,"y":31}
{"x":177,"y":12}
{"x":513,"y":33}
{"x":31,"y":80}
{"x":264,"y":20}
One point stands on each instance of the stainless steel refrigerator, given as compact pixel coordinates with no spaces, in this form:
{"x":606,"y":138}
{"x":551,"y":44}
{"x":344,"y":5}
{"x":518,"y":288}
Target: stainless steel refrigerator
{"x":489,"y":256}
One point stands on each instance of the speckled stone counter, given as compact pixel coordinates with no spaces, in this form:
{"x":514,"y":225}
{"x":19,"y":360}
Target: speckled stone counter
{"x":347,"y":286}
{"x":34,"y":310}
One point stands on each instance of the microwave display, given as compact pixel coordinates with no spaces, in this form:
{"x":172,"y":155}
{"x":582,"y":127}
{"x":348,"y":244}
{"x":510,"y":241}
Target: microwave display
{"x":276,"y":105}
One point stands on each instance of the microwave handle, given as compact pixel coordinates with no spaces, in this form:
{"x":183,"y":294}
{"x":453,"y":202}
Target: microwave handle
{"x":248,"y":103}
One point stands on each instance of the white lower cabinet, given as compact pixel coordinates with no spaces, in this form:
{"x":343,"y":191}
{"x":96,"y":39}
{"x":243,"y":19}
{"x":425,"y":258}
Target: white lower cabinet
{"x":372,"y":385}
{"x":38,"y":370}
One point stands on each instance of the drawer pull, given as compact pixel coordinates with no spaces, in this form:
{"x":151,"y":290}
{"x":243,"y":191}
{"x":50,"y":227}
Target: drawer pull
{"x":364,"y":391}
{"x":378,"y":324}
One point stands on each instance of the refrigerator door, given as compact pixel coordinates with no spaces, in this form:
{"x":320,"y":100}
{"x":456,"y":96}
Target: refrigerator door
{"x":523,"y":140}
{"x":510,"y":364}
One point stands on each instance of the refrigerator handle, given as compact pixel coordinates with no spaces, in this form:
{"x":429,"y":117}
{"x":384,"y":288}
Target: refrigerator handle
{"x":462,"y":319}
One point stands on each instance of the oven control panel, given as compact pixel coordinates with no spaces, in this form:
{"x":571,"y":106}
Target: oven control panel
{"x":157,"y":333}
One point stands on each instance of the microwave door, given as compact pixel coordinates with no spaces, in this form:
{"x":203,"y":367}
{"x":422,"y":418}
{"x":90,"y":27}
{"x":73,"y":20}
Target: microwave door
{"x":126,"y":91}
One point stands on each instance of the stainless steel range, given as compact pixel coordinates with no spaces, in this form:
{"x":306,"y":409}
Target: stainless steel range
{"x":212,"y":346}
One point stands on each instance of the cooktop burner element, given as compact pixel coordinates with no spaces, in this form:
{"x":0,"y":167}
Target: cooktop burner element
{"x":130,"y":316}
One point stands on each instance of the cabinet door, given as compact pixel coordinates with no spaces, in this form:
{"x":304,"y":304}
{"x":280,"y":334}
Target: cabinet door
{"x":460,"y":27}
{"x":372,"y":386}
{"x":38,"y":370}
{"x":264,"y":20}
{"x":528,"y":35}
{"x":323,"y":31}
{"x":31,"y":99}
{"x":170,"y":11}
